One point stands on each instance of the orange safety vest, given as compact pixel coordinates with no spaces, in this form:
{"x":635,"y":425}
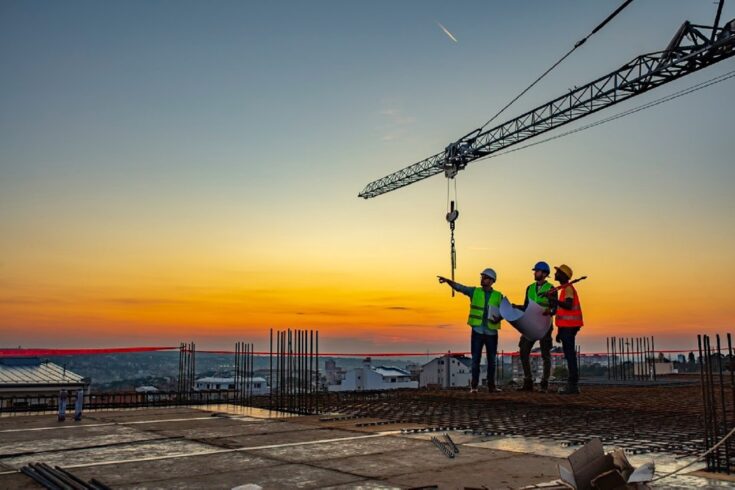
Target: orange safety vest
{"x":571,"y":317}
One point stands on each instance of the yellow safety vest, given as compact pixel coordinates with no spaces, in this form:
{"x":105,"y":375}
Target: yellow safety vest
{"x":477,"y":308}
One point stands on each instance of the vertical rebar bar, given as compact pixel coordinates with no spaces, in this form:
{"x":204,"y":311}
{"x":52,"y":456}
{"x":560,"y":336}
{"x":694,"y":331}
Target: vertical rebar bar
{"x":731,"y":368}
{"x":311,"y":371}
{"x":653,"y":354}
{"x":289,"y":378}
{"x":712,"y":402}
{"x":270,"y":370}
{"x":723,"y":402}
{"x":705,"y":399}
{"x":318,"y":382}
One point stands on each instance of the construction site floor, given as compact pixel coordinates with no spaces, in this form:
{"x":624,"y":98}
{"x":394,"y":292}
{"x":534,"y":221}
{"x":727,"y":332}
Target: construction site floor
{"x":229,"y":446}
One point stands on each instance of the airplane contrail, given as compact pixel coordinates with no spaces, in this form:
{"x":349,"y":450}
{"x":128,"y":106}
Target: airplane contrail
{"x":446,"y":31}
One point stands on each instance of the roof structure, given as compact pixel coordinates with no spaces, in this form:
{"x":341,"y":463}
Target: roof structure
{"x":214,"y":379}
{"x":390,"y":371}
{"x":33,"y":372}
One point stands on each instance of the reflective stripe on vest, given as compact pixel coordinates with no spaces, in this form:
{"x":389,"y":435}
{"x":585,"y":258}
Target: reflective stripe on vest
{"x":477,"y":308}
{"x":540,"y":296}
{"x":569,"y":317}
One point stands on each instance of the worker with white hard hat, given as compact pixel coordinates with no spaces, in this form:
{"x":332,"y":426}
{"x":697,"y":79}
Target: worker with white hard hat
{"x":484,"y":318}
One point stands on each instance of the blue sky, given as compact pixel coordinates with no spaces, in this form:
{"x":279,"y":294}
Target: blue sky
{"x":135,"y":135}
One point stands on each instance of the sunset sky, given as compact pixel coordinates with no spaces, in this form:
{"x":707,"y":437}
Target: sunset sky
{"x":174,"y":171}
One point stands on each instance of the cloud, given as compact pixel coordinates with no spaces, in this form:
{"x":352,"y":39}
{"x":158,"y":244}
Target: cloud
{"x":145,"y":301}
{"x":396,"y":123}
{"x":397,"y":117}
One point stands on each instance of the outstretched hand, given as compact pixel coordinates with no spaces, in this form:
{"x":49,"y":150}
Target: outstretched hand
{"x":442,"y":280}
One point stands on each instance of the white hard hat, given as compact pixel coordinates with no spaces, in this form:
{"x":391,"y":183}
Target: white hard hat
{"x":490,"y":273}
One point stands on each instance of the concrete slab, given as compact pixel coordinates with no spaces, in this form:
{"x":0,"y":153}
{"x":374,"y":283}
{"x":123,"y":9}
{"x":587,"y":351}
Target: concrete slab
{"x":142,"y":472}
{"x":341,"y":449}
{"x":221,"y":427}
{"x":18,"y":481}
{"x":505,"y":471}
{"x":385,"y":461}
{"x":281,"y":476}
{"x":39,"y":442}
{"x":364,"y":485}
{"x":144,"y":414}
{"x":420,"y":458}
{"x":180,"y":427}
{"x":142,"y":449}
{"x":281,"y":437}
{"x":14,"y":422}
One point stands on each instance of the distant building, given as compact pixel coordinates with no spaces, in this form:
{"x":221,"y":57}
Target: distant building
{"x":210,"y":383}
{"x":447,"y":371}
{"x":146,"y":389}
{"x":28,"y":382}
{"x":659,"y":368}
{"x":368,"y":378}
{"x":333,"y":374}
{"x":415,"y":369}
{"x":537,"y":363}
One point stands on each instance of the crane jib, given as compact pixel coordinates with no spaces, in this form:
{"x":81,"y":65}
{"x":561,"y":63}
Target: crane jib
{"x":693,"y":48}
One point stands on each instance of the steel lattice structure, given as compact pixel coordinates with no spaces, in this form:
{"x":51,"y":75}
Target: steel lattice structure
{"x":693,"y":48}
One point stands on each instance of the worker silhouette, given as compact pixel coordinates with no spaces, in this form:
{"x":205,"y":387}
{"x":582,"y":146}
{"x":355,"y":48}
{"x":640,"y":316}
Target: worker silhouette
{"x":78,"y":405}
{"x":540,"y":293}
{"x":568,"y":322}
{"x":63,"y":399}
{"x":485,"y":323}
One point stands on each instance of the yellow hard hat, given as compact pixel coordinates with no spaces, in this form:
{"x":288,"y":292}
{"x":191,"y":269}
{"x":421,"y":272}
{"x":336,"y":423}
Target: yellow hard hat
{"x":565,"y":269}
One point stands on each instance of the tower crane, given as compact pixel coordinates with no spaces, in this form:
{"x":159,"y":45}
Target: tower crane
{"x":693,"y":48}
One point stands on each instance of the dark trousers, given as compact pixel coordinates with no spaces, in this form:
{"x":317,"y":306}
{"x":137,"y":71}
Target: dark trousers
{"x":490,"y":343}
{"x":525,"y":347}
{"x":566,"y":335}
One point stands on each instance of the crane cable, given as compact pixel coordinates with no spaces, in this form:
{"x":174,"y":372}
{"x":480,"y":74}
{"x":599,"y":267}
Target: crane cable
{"x":452,"y":215}
{"x":559,"y":61}
{"x":452,"y":208}
{"x":642,"y":107}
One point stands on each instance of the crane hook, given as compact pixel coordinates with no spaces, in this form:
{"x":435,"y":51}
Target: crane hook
{"x":452,"y":216}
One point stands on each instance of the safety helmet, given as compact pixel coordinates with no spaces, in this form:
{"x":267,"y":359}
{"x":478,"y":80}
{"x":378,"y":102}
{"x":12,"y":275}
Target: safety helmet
{"x":490,"y":273}
{"x":566,"y":270}
{"x":542,"y":266}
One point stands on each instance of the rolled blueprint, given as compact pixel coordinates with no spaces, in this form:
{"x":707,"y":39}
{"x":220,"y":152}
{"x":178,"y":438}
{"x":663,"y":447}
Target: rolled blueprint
{"x":532,"y":323}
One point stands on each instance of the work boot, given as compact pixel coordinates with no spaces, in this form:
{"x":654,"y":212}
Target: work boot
{"x":492,"y":388}
{"x":527,"y":385}
{"x":544,"y":386}
{"x":569,"y":389}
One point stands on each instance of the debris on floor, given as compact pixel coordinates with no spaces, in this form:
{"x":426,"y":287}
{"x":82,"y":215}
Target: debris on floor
{"x":591,"y":468}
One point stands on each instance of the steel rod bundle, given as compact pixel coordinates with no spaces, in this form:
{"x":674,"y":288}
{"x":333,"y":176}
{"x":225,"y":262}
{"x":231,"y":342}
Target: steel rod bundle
{"x":294,"y":371}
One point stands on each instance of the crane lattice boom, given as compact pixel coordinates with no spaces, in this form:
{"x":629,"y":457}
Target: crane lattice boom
{"x":693,"y":48}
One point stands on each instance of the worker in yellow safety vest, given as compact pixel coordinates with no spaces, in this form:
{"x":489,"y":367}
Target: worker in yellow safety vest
{"x":540,"y":293}
{"x":484,"y":319}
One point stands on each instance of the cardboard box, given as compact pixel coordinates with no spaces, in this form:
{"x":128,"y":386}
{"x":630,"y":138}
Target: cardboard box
{"x":591,"y":469}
